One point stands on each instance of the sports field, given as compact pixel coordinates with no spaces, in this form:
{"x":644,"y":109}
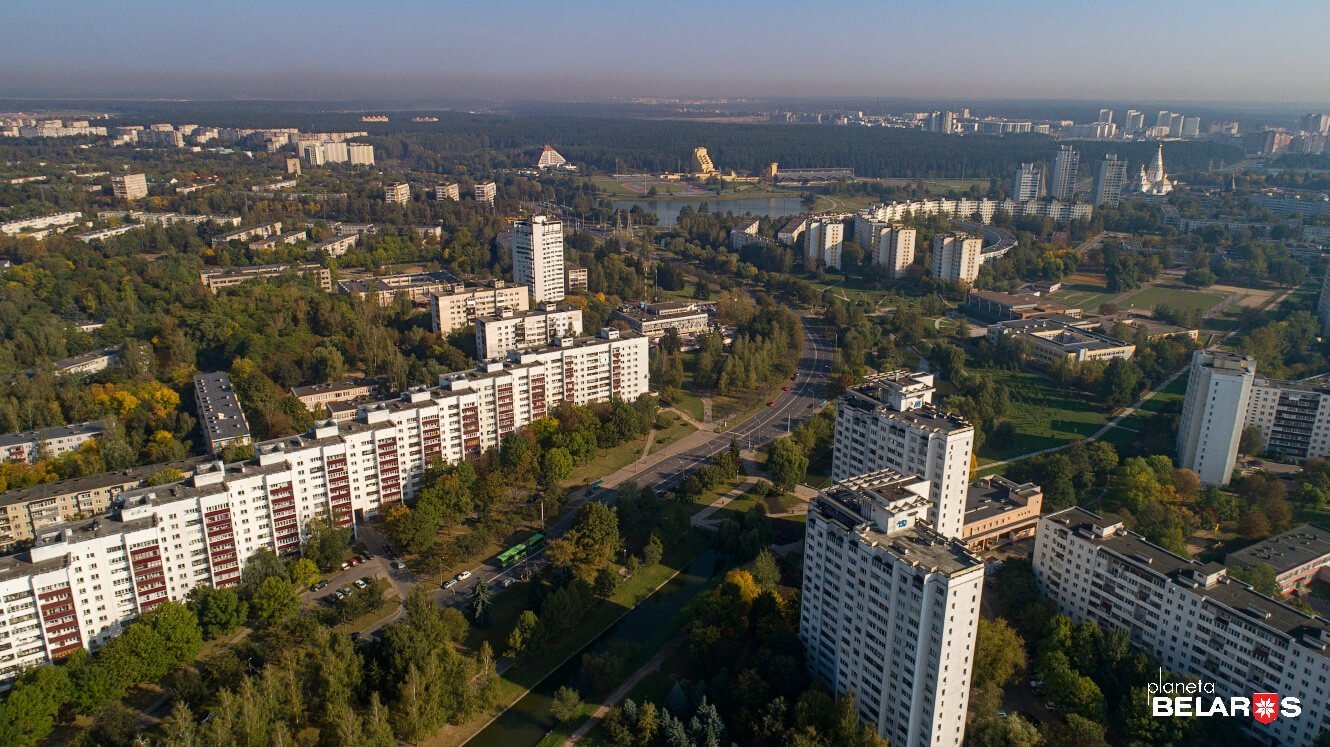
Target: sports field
{"x":1083,"y":295}
{"x":1173,"y":295}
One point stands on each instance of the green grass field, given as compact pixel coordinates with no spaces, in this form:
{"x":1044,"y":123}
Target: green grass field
{"x":1083,"y":295}
{"x":679,"y":428}
{"x":1044,"y":414}
{"x":1173,"y":295}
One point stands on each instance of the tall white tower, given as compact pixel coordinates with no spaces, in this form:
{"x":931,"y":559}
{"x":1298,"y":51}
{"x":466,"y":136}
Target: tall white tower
{"x":1213,"y":413}
{"x":538,"y":257}
{"x":1065,"y":167}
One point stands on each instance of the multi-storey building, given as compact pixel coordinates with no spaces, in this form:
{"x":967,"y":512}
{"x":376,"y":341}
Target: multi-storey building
{"x":1293,"y":416}
{"x":538,"y":257}
{"x":26,"y":225}
{"x":335,"y":152}
{"x":360,"y":154}
{"x":655,"y":319}
{"x":313,"y":152}
{"x":895,"y":250}
{"x":337,"y":245}
{"x":91,"y":362}
{"x":80,"y":583}
{"x":508,"y":330}
{"x":447,"y":191}
{"x":1027,"y":183}
{"x":1109,"y":181}
{"x":1297,"y":556}
{"x":397,"y":194}
{"x":889,"y":422}
{"x":486,"y":192}
{"x":458,"y":306}
{"x":1066,"y":166}
{"x":129,"y":186}
{"x":221,"y":418}
{"x":1218,"y":391}
{"x":317,"y":396}
{"x":384,"y":289}
{"x":890,"y":608}
{"x":956,"y":257}
{"x":823,"y":241}
{"x":575,"y":280}
{"x":1195,"y":618}
{"x":1055,"y":338}
{"x":217,"y":278}
{"x":29,"y":446}
{"x":261,"y":231}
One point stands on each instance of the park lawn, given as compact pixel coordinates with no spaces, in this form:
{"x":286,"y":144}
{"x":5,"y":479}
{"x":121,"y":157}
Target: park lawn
{"x":1044,"y":414}
{"x":606,"y":462}
{"x":679,"y":428}
{"x":389,"y":605}
{"x":1178,"y":296}
{"x":1083,"y":295}
{"x":514,"y":683}
{"x":691,"y":405}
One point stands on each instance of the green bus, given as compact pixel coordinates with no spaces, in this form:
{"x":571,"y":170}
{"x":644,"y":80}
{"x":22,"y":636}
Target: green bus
{"x":517,"y":553}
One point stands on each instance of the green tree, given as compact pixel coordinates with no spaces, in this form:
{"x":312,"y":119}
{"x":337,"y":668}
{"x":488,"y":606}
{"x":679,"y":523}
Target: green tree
{"x":567,"y":704}
{"x":219,"y":611}
{"x":766,"y":571}
{"x":275,"y":600}
{"x":995,"y":731}
{"x":326,"y":544}
{"x":999,"y":653}
{"x":1252,"y":440}
{"x":555,"y":466}
{"x":482,"y":600}
{"x":525,"y":633}
{"x":261,"y":566}
{"x":178,"y":628}
{"x":29,"y":712}
{"x":304,"y":573}
{"x":1262,"y":577}
{"x":787,"y":462}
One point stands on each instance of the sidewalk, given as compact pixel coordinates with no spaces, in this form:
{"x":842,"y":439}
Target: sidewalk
{"x":623,"y":689}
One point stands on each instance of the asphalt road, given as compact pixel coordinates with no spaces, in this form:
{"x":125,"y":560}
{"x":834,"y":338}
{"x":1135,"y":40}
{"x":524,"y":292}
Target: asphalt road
{"x":789,"y":409}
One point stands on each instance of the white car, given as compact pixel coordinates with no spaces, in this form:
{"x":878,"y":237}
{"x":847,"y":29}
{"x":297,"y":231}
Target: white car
{"x":464,"y":575}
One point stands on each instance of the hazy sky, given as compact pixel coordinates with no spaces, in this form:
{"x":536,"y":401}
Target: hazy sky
{"x":1217,"y":50}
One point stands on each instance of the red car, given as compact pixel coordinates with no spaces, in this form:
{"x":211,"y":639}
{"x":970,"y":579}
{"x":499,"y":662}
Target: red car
{"x":771,"y":404}
{"x":787,"y":389}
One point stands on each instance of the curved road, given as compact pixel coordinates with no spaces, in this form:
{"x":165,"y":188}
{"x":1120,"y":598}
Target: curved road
{"x":662,"y":470}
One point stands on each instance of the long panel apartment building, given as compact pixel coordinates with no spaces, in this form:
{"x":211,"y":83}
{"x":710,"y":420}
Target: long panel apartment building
{"x":458,"y":306}
{"x":29,"y":446}
{"x":81,"y":582}
{"x":217,"y":278}
{"x":890,"y":608}
{"x":889,"y":422}
{"x":508,"y":330}
{"x":1194,"y":617}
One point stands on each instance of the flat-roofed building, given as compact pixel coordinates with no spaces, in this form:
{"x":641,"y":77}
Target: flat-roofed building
{"x":1056,"y":338}
{"x":447,"y":191}
{"x":486,"y":192}
{"x":360,"y":154}
{"x":1297,"y":556}
{"x":84,"y":364}
{"x":29,"y":446}
{"x":655,"y":319}
{"x":956,"y":257}
{"x":508,"y":330}
{"x":129,"y":186}
{"x":537,"y":246}
{"x":576,"y":279}
{"x":397,"y":194}
{"x":458,"y":305}
{"x":384,"y":289}
{"x":261,"y":231}
{"x":337,"y":245}
{"x":999,"y":511}
{"x":1001,"y":307}
{"x":221,"y":418}
{"x":217,"y":278}
{"x":1213,"y":410}
{"x":316,"y":396}
{"x":890,"y":608}
{"x":895,"y":250}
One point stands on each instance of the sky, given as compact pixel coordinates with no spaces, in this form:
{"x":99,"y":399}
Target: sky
{"x":1236,"y":51}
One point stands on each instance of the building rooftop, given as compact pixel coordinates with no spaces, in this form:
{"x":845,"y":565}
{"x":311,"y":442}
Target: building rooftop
{"x":667,"y":309}
{"x":874,"y":396}
{"x":1211,"y":580}
{"x":1303,"y":544}
{"x":399,"y":282}
{"x":855,"y":507}
{"x":88,"y":357}
{"x":996,"y":495}
{"x":77,"y":485}
{"x":1061,"y":333}
{"x":219,"y":408}
{"x":333,"y":386}
{"x":90,"y":428}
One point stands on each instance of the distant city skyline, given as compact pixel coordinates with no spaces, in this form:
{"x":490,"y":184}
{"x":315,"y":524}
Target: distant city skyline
{"x":599,"y":50}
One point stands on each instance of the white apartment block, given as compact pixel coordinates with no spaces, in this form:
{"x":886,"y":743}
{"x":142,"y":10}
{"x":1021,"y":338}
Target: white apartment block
{"x":823,"y":242}
{"x":890,"y":608}
{"x":335,"y":152}
{"x":889,"y":422}
{"x":509,"y":330}
{"x":1213,"y":411}
{"x":447,"y":191}
{"x":895,"y":250}
{"x":1027,"y":183}
{"x":397,"y":194}
{"x":486,"y":192}
{"x":460,"y":306}
{"x":1066,"y":166}
{"x":1195,"y":618}
{"x":360,"y":154}
{"x":29,"y":446}
{"x":538,"y":257}
{"x":313,"y":152}
{"x":82,"y":582}
{"x":55,"y":220}
{"x":1294,"y":417}
{"x":1110,"y":180}
{"x":129,"y":186}
{"x":956,"y":257}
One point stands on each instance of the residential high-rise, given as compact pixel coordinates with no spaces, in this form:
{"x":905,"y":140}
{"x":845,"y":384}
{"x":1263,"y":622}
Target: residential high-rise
{"x":313,"y":152}
{"x":1066,"y":166}
{"x":1293,"y":416}
{"x":336,"y":152}
{"x":956,"y":256}
{"x":1027,"y":183}
{"x":458,"y":306}
{"x":1213,"y":413}
{"x":509,"y":330}
{"x":1109,"y":181}
{"x":1175,"y":121}
{"x":486,"y":192}
{"x":1316,"y":123}
{"x":1105,"y":116}
{"x":538,"y":257}
{"x":360,"y":154}
{"x":397,"y":194}
{"x":1163,"y":118}
{"x":889,"y":422}
{"x":1197,"y":620}
{"x":293,"y":165}
{"x":823,"y":242}
{"x":890,"y":608}
{"x":447,"y":191}
{"x":1191,"y":127}
{"x":1135,"y":120}
{"x":129,"y":186}
{"x":895,"y":250}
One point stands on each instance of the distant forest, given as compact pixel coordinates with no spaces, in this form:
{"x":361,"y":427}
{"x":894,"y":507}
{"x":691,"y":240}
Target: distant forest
{"x":628,"y":145}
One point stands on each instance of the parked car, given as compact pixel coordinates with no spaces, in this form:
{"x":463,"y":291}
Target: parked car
{"x":464,"y":575}
{"x":508,"y":582}
{"x":320,"y":585}
{"x":364,"y":557}
{"x":345,"y":565}
{"x":399,"y":565}
{"x":361,"y":583}
{"x":345,"y":591}
{"x":354,"y":561}
{"x":450,"y":583}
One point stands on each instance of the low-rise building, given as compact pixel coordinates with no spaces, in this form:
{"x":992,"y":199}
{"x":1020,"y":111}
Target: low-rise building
{"x":384,"y":289}
{"x":999,"y":512}
{"x":337,"y":245}
{"x":1000,"y":307}
{"x":30,"y":446}
{"x":508,"y":330}
{"x":221,"y":418}
{"x":261,"y":231}
{"x":397,"y":194}
{"x":316,"y":396}
{"x":92,"y":362}
{"x":655,"y":319}
{"x":1297,"y":556}
{"x":457,"y":306}
{"x":290,"y":238}
{"x":1153,"y":329}
{"x":28,"y":225}
{"x":1055,"y":339}
{"x":217,"y":278}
